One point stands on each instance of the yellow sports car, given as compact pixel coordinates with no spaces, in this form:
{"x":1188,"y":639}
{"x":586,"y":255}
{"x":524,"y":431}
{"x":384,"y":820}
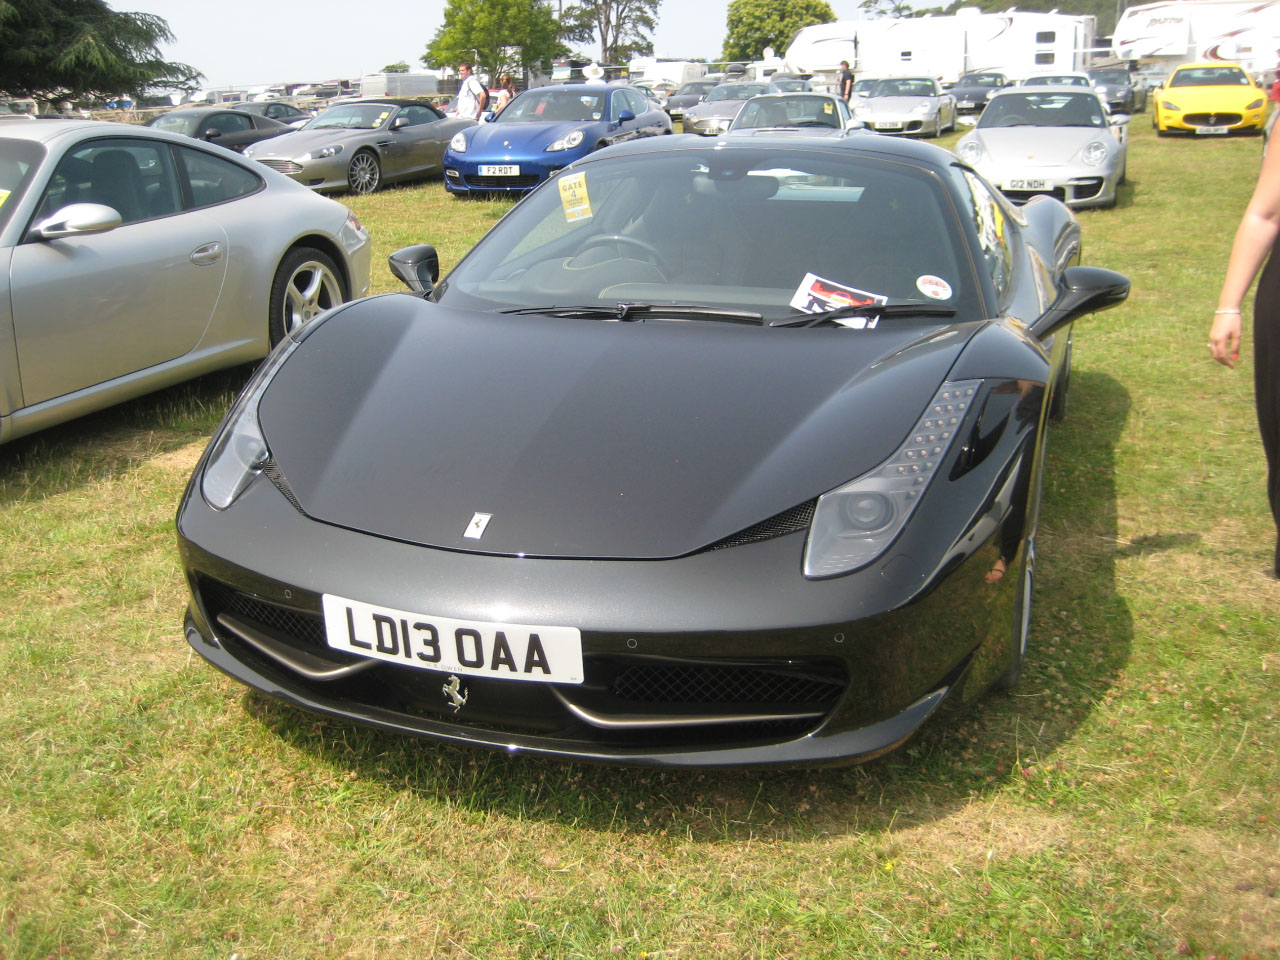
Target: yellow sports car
{"x":1209,"y":98}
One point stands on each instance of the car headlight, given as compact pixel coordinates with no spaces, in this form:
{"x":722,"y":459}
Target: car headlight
{"x":970,"y":152}
{"x":855,"y":523}
{"x":1166,"y":105}
{"x":1094,"y":153}
{"x":567,"y":142}
{"x":459,"y":142}
{"x":1255,"y":105}
{"x":240,"y":450}
{"x":322,"y":154}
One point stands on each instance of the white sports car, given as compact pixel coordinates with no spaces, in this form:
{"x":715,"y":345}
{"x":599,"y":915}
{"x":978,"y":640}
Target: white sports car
{"x":910,"y":105}
{"x":1058,"y":141}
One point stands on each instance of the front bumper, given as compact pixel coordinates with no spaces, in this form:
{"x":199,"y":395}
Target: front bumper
{"x":904,"y":124}
{"x":706,"y":126}
{"x":1077,"y":186}
{"x":462,"y":172}
{"x":1219,"y":123}
{"x":322,"y":175}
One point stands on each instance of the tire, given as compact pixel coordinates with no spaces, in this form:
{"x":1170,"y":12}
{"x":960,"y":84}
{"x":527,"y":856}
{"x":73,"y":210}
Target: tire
{"x":364,"y":174}
{"x":307,"y":283}
{"x":1021,"y":618}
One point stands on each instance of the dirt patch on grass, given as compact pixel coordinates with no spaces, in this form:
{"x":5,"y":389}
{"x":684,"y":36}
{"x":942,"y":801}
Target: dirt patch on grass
{"x":979,"y":831}
{"x":181,"y":460}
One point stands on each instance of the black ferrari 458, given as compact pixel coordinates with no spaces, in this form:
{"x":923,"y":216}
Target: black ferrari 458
{"x":710,"y":452}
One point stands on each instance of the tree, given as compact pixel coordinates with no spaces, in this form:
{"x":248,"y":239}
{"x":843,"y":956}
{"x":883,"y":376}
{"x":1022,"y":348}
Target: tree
{"x":496,"y":36}
{"x":624,"y":27}
{"x":398,"y":67}
{"x":753,"y":25}
{"x":890,"y":8}
{"x":70,"y":48}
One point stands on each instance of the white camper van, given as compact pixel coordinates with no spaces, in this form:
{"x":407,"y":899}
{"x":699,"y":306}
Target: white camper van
{"x":1014,"y":43}
{"x":1167,"y":34}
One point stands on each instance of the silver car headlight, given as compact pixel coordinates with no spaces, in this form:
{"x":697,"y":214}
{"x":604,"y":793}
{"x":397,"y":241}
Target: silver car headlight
{"x":567,"y":142}
{"x":855,"y":523}
{"x":459,"y":142}
{"x":322,"y":154}
{"x":970,"y":152}
{"x":1094,"y":153}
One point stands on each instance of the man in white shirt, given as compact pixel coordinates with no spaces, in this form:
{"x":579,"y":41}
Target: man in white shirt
{"x":472,"y":96}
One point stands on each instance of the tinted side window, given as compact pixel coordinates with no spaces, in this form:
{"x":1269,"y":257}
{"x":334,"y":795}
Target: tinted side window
{"x":134,"y":177}
{"x":991,"y":223}
{"x":226,"y":123}
{"x":417,"y":114}
{"x":214,"y":180}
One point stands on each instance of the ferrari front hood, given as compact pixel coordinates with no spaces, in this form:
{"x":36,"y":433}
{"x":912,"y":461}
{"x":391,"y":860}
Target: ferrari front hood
{"x":585,"y":438}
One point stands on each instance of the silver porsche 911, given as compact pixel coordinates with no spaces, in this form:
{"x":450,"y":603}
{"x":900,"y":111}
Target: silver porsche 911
{"x":910,"y":105}
{"x":132,"y":259}
{"x":1058,"y":141}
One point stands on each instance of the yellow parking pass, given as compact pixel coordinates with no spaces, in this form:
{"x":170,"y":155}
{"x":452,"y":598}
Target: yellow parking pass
{"x":574,"y":198}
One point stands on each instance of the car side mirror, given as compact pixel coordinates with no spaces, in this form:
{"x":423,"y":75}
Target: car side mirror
{"x":1082,"y":291}
{"x":853,"y":123}
{"x":488,"y":116}
{"x":417,"y":266}
{"x":626,"y":116}
{"x":399,"y":123}
{"x":1119,"y":119}
{"x":77,"y":219}
{"x":212,"y":134}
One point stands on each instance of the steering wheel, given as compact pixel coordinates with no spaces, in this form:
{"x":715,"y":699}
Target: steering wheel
{"x":655,"y":257}
{"x":1011,"y":120}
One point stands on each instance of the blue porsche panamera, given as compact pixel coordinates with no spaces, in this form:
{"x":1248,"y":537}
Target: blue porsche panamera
{"x":545,"y":129}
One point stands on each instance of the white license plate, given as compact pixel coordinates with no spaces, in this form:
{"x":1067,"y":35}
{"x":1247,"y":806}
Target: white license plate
{"x":1028,"y":184}
{"x":499,"y":170}
{"x":475,"y":648}
{"x":1213,"y":130}
{"x":887,"y":126}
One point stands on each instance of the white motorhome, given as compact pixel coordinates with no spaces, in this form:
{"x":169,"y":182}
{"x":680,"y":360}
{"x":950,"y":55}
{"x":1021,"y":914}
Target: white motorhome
{"x":399,"y":84}
{"x":653,"y":70}
{"x":1013,"y":43}
{"x":1167,"y":34}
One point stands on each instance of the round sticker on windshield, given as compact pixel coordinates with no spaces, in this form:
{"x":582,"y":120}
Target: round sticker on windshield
{"x":935,"y":288}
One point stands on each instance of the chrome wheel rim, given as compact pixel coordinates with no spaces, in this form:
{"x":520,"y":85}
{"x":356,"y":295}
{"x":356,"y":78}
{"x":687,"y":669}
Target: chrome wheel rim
{"x":363,"y":175}
{"x":312,"y":289}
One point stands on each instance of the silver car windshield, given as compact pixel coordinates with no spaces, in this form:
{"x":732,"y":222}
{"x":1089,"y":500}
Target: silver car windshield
{"x":797,"y":111}
{"x":1058,"y":109}
{"x":563,"y":104}
{"x":776,"y":229}
{"x":18,"y":162}
{"x":736,"y":91}
{"x":353,"y":116}
{"x":903,"y":88}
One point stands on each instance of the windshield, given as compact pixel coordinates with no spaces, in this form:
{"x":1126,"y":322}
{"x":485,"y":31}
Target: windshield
{"x":18,"y":161}
{"x":1043,"y":110}
{"x":776,"y":227}
{"x":980,"y":80}
{"x":791,"y":86}
{"x":1057,"y":80}
{"x":353,"y":116}
{"x":737,"y":91}
{"x":550,"y":104}
{"x":797,"y":111}
{"x":903,"y":88}
{"x":183,"y":123}
{"x":698,"y":88}
{"x":1121,"y":77}
{"x":1209,"y":77}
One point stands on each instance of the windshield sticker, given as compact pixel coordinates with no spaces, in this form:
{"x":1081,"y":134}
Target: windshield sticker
{"x":935,"y":288}
{"x":827,"y":108}
{"x":4,"y":195}
{"x":574,"y":198}
{"x":817,"y":295}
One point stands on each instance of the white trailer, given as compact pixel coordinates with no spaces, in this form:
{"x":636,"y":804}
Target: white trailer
{"x":1013,"y":43}
{"x":654,"y":70}
{"x":1166,"y":34}
{"x":399,"y":85}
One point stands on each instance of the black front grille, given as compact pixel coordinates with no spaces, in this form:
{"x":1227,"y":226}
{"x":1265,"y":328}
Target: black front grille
{"x":1211,"y":119}
{"x":524,"y":181}
{"x":788,"y":521}
{"x":1022,"y":196}
{"x":1084,"y":189}
{"x":712,"y":684}
{"x":305,"y":629}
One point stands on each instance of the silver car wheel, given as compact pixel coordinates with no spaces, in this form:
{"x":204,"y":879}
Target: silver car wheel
{"x":364,"y":174}
{"x":311,"y":290}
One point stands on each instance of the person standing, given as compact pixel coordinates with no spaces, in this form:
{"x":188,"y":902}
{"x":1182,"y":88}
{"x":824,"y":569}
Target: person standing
{"x":472,"y":96}
{"x":1257,"y":236}
{"x":846,"y":81}
{"x":506,"y":90}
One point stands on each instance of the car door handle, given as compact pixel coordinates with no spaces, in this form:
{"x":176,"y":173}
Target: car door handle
{"x":206,"y":254}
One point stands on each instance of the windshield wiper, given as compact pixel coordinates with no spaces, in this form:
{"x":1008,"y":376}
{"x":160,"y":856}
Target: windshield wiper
{"x":641,"y":311}
{"x":863,"y":310}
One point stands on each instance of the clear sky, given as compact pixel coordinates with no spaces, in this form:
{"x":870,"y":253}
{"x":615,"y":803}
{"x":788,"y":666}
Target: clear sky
{"x":248,"y":42}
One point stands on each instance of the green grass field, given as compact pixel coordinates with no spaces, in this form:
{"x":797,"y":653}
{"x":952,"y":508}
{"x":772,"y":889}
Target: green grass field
{"x":1121,"y":802}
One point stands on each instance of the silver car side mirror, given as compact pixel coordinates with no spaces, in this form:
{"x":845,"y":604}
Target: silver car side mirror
{"x":77,"y":219}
